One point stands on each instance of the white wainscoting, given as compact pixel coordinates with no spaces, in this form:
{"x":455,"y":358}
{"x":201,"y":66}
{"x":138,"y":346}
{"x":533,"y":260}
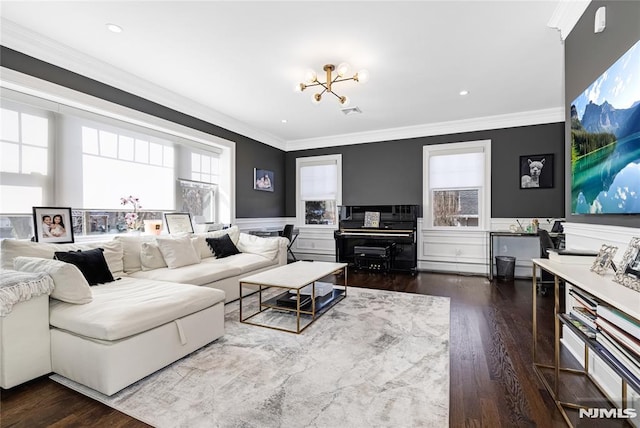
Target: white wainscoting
{"x":582,"y":236}
{"x":460,"y":251}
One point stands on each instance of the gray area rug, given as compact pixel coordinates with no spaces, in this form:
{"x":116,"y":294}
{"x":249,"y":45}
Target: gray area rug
{"x":376,"y":359}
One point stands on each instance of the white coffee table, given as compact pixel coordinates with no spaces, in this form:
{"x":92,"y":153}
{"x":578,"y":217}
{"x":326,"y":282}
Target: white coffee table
{"x":292,"y":277}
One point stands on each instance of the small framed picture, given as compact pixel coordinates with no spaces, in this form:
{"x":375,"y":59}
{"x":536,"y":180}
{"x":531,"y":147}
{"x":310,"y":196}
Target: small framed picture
{"x":178,"y":222}
{"x":604,"y":260}
{"x":536,"y":171}
{"x":263,"y":180}
{"x":52,"y":224}
{"x":628,"y":273}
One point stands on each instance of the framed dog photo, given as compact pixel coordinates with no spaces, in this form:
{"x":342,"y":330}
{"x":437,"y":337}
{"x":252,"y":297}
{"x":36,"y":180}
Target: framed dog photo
{"x":52,"y":224}
{"x":536,"y":171}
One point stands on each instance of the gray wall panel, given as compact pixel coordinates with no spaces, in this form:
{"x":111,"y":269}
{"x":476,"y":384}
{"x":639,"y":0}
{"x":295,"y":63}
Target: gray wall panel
{"x":390,"y":172}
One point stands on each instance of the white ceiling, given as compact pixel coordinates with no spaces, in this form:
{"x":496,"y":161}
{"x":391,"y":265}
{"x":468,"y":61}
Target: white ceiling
{"x":236,"y":63}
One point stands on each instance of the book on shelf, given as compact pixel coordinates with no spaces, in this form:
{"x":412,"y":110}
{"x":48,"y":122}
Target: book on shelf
{"x":621,"y":320}
{"x":616,"y":348}
{"x":625,"y":368}
{"x":583,"y":315}
{"x":584,"y":329}
{"x":572,"y":256}
{"x":628,"y":341}
{"x":585,"y":299}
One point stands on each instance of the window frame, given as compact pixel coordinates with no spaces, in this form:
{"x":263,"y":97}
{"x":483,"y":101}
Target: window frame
{"x":335,"y":159}
{"x":484,"y":191}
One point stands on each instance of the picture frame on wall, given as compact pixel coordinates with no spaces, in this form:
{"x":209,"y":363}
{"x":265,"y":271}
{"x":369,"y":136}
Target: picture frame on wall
{"x":628,"y":273}
{"x":53,"y":224}
{"x":263,"y":180}
{"x":178,"y":222}
{"x":536,"y":171}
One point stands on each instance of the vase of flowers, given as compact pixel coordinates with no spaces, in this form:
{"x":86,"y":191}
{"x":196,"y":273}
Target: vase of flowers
{"x":132,"y":219}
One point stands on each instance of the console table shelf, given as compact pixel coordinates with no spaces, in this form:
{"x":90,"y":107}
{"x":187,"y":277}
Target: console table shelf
{"x":606,"y":292}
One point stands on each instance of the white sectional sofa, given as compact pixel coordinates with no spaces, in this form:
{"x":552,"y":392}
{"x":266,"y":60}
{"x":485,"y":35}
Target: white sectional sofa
{"x":163,"y":304}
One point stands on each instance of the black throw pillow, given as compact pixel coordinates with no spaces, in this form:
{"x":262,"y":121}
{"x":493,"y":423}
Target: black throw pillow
{"x":222,"y":246}
{"x":91,"y":263}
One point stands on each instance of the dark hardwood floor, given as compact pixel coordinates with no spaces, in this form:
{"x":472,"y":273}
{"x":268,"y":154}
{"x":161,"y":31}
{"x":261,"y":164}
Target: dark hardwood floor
{"x":492,"y":379}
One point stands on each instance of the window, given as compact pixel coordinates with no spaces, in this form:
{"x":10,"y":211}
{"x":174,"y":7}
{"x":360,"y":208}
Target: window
{"x":319,"y":189}
{"x":95,"y":159}
{"x":457,"y":185}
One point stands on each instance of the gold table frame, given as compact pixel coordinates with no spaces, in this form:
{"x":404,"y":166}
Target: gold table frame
{"x":264,"y":305}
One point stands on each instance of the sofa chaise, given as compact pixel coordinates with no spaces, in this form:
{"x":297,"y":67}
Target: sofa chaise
{"x":166,"y":301}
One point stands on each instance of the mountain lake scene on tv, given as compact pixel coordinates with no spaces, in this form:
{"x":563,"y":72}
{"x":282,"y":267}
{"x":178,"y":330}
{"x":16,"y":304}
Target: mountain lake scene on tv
{"x":605,"y":141}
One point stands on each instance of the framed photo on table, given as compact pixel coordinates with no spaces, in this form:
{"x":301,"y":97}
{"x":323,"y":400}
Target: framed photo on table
{"x":178,"y":222}
{"x":604,"y":260}
{"x":52,"y":224}
{"x":628,"y":273}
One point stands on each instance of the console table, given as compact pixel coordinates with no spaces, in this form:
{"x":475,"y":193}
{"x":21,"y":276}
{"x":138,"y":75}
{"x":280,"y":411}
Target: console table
{"x":605,"y":291}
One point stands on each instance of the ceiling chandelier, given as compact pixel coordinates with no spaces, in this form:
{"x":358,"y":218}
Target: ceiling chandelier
{"x":311,"y":80}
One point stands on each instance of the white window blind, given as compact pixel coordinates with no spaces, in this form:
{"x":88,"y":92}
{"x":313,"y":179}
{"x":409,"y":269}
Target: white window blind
{"x":319,"y":182}
{"x":456,"y":170}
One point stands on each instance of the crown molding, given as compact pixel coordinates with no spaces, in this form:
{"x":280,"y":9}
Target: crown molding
{"x":566,"y":16}
{"x":30,"y":43}
{"x":511,"y":120}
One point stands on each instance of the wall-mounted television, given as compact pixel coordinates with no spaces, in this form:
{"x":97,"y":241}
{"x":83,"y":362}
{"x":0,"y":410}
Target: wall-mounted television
{"x":605,"y":141}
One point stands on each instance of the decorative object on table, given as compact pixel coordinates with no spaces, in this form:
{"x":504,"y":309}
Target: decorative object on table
{"x":263,"y":180}
{"x":536,"y":171}
{"x":628,"y":273}
{"x":178,"y":222}
{"x":604,"y":259}
{"x":132,"y":219}
{"x":52,"y":224}
{"x":152,"y":227}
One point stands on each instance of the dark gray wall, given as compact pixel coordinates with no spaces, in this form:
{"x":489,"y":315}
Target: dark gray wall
{"x":249,"y":153}
{"x":390,"y":172}
{"x":587,"y":56}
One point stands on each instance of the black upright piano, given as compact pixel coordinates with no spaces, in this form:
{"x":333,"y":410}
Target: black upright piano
{"x":378,"y":237}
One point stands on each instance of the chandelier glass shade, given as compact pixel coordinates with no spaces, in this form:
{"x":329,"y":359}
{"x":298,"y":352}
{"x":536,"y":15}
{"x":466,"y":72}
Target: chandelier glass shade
{"x":333,"y":75}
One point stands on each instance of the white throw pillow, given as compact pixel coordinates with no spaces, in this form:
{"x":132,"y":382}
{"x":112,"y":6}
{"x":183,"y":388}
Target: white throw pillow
{"x":267,"y":247}
{"x":200,"y":244}
{"x":178,"y":252}
{"x":151,"y":256}
{"x":69,"y":284}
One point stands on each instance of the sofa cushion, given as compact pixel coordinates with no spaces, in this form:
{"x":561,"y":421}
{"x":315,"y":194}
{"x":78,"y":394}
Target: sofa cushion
{"x":131,"y":247}
{"x":267,"y":247}
{"x":178,"y":252}
{"x":151,"y":257}
{"x":204,"y":273}
{"x":131,"y":306}
{"x":248,"y":262}
{"x":222,"y":247}
{"x":69,"y":284}
{"x":91,"y":263}
{"x":202,"y":248}
{"x":12,"y":248}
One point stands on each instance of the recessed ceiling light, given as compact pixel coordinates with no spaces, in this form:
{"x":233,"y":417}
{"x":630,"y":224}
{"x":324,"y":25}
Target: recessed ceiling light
{"x":114,"y":28}
{"x":284,"y":121}
{"x":464,"y":92}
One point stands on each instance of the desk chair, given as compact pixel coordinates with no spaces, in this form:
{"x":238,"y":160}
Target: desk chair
{"x":546,"y":282}
{"x":287,"y":232}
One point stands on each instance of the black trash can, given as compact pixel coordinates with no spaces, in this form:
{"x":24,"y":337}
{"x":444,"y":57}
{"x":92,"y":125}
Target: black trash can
{"x":505,"y":268}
